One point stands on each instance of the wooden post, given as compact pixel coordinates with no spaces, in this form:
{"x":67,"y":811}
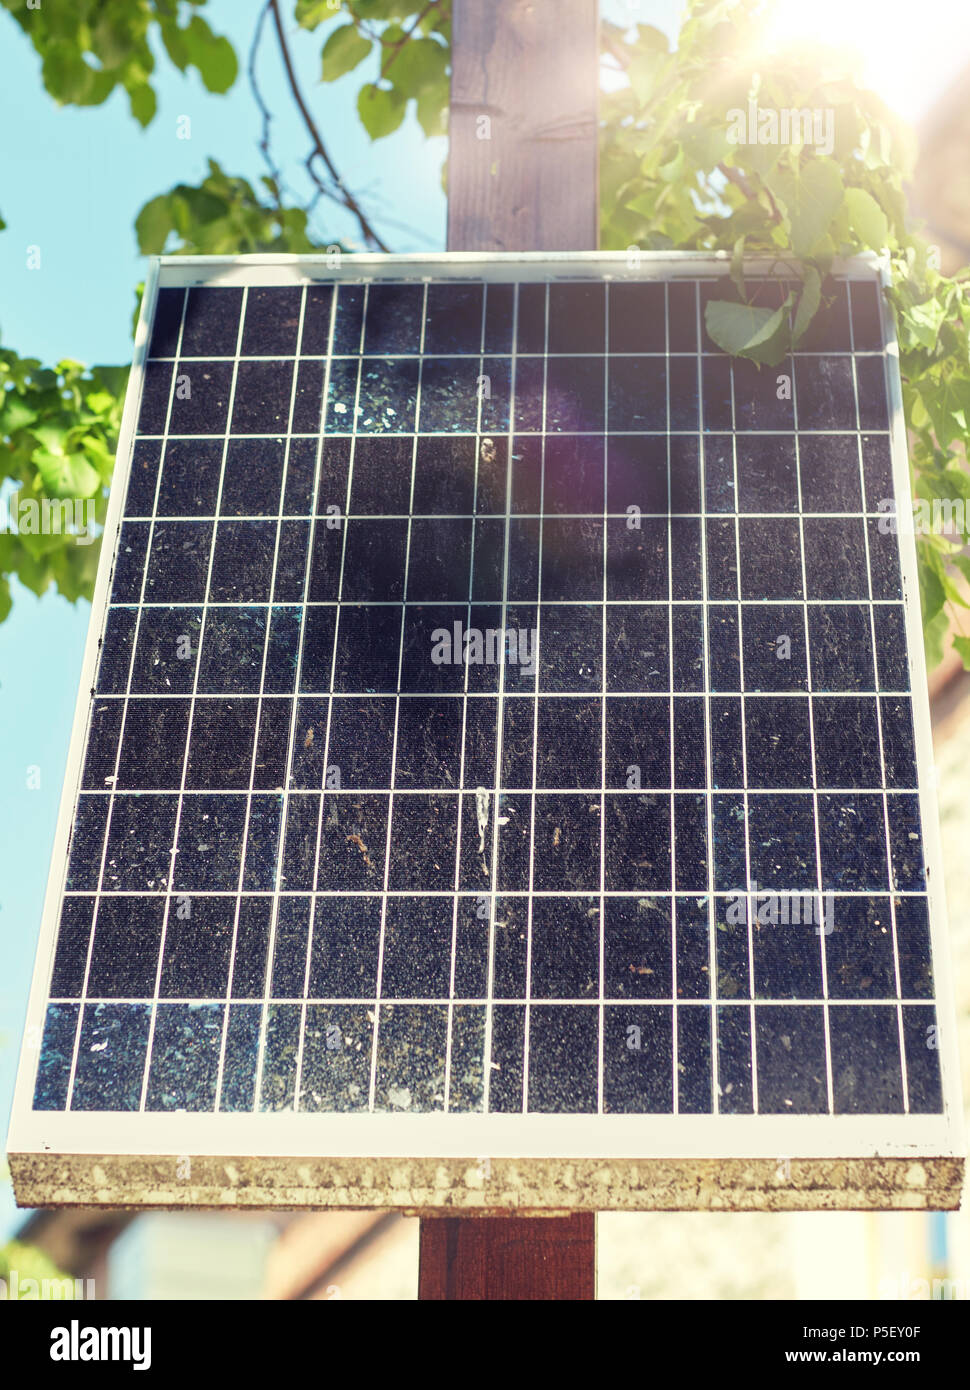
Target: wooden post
{"x":522,"y":176}
{"x":522,"y":166}
{"x":508,"y":1257}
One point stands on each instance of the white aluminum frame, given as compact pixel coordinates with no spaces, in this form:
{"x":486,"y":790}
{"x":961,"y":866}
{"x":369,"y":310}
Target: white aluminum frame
{"x":265,"y":1135}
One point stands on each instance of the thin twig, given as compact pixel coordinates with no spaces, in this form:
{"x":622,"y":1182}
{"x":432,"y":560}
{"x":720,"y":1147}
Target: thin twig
{"x":395,"y":48}
{"x":739,"y":181}
{"x":623,"y":59}
{"x":265,"y":113}
{"x":319,"y":149}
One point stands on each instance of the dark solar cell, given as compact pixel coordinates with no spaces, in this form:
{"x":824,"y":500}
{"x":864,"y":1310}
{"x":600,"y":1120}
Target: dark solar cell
{"x":825,"y":393}
{"x":168,"y":323}
{"x":767,"y":474}
{"x":272,"y":322}
{"x":577,"y":318}
{"x":453,"y":319}
{"x":142,"y":483}
{"x":829,"y":331}
{"x":773,"y":643}
{"x":637,"y":318}
{"x":829,"y":470}
{"x":190,"y":478}
{"x":866,"y":316}
{"x":200,"y":400}
{"x":211,"y":322}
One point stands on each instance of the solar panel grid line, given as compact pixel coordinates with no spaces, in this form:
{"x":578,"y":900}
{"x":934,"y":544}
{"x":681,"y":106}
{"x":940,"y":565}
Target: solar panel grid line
{"x":82,"y":1009}
{"x":447,"y":356}
{"x":301,"y":1039}
{"x":500,"y":715}
{"x":822,"y":938}
{"x":749,"y":900}
{"x":524,"y":516}
{"x":674,"y":927}
{"x":512,"y":892}
{"x":169,"y":893}
{"x":567,"y":603}
{"x":462,"y":793}
{"x":884,"y":693}
{"x":276,"y":896}
{"x":904,"y":1075}
{"x":613,"y":1001}
{"x":315,"y":924}
{"x":397,"y":696}
{"x":726,"y":786}
{"x":716,"y":1092}
{"x":530,"y":918}
{"x":525,"y":430}
{"x":336,"y":299}
{"x":601,"y":944}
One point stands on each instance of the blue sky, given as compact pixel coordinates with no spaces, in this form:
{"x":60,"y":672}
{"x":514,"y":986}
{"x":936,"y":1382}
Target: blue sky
{"x":71,"y":183}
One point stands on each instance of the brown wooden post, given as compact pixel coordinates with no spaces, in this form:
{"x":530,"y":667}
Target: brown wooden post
{"x":522,"y":176}
{"x":508,"y":1257}
{"x":522,"y":167}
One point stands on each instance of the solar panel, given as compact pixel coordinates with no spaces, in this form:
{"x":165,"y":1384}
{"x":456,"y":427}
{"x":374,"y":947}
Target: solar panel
{"x":504,"y":731}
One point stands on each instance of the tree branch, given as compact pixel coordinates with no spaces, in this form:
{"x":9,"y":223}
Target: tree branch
{"x":319,"y":149}
{"x":264,"y":110}
{"x":622,"y":59}
{"x":396,"y":47}
{"x":739,"y":181}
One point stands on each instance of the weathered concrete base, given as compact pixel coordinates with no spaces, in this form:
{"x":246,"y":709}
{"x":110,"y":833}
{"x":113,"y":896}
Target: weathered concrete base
{"x":523,"y":1186}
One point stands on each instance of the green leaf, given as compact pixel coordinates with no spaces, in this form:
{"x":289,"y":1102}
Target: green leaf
{"x":745,"y":330}
{"x":16,"y":414}
{"x":310,"y":13}
{"x":673,"y":170}
{"x":737,"y":264}
{"x":5,"y":599}
{"x":947,"y":398}
{"x":420,"y":66}
{"x":961,"y":645}
{"x":923,"y":322}
{"x":961,"y":563}
{"x":706,"y":147}
{"x":153,"y":225}
{"x":812,"y":195}
{"x":931,"y":591}
{"x":761,"y":159}
{"x":66,"y":75}
{"x":142,"y":101}
{"x":175,"y":45}
{"x":432,"y":112}
{"x":52,"y":437}
{"x":867,"y":218}
{"x":644,"y":72}
{"x":66,"y":475}
{"x":380,"y":109}
{"x":934,"y":635}
{"x":808,"y":302}
{"x":214,"y":57}
{"x":344,"y":49}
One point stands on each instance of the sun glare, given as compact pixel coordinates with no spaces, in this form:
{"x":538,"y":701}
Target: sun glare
{"x":907,"y":52}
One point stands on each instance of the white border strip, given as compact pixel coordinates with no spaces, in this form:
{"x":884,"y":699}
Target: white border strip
{"x":513,"y":1135}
